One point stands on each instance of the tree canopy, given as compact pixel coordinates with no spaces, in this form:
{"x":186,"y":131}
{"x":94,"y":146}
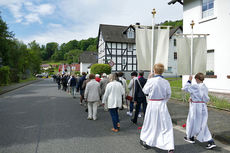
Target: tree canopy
{"x":19,"y":59}
{"x":173,"y":23}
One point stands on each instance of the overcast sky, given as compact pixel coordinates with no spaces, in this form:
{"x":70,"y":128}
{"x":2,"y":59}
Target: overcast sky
{"x":64,"y":20}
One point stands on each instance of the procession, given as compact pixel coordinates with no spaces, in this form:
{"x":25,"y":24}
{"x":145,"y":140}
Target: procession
{"x":147,"y":95}
{"x":114,"y":76}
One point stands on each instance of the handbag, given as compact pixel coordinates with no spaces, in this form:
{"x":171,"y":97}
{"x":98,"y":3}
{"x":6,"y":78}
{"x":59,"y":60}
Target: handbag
{"x":130,"y":98}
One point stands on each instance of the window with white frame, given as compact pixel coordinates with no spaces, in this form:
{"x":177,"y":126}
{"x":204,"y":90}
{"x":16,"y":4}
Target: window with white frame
{"x":134,"y":68}
{"x":169,"y":69}
{"x":210,"y":60}
{"x":130,"y":47}
{"x":174,"y":42}
{"x":124,"y":61}
{"x":207,"y":8}
{"x":129,"y":67}
{"x":130,"y":33}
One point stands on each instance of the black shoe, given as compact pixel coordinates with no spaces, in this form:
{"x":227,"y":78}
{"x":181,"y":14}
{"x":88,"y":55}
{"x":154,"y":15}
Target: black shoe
{"x":211,"y":145}
{"x":190,"y":140}
{"x":171,"y":151}
{"x":133,"y":121}
{"x":86,"y":110}
{"x":144,"y":145}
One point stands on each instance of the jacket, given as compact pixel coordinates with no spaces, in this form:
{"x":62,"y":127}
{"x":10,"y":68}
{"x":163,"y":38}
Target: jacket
{"x":138,"y":90}
{"x":73,"y":82}
{"x":81,"y":80}
{"x":103,"y":84}
{"x":131,"y":87}
{"x":92,"y":91}
{"x":113,"y":95}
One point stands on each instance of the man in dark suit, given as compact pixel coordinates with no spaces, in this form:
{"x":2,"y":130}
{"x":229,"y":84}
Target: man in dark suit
{"x":139,"y":96}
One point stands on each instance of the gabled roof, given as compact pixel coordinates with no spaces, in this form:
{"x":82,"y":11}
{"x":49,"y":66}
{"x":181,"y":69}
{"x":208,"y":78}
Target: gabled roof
{"x":114,"y":33}
{"x":174,"y":1}
{"x":172,"y":31}
{"x":88,"y":57}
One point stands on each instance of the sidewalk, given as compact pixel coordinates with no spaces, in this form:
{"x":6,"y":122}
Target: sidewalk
{"x":4,"y":89}
{"x":225,"y":96}
{"x":218,"y":121}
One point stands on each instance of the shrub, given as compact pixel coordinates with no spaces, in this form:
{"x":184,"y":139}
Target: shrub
{"x":15,"y":75}
{"x":77,"y":73}
{"x":100,"y":68}
{"x":4,"y":75}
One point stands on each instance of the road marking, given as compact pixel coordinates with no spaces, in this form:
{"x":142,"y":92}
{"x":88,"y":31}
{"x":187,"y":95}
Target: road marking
{"x":181,"y":129}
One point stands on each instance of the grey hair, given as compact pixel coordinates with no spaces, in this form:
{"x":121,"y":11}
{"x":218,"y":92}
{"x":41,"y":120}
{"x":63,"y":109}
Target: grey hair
{"x":112,"y":77}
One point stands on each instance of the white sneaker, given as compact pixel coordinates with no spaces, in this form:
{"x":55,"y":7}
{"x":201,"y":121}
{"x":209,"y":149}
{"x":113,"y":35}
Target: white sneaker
{"x":139,"y":115}
{"x":211,"y":145}
{"x":129,"y":113}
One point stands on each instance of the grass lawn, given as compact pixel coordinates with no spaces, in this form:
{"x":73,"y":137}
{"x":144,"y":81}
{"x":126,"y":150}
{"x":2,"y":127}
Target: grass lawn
{"x":20,"y":81}
{"x":29,"y":79}
{"x":53,"y":63}
{"x":177,"y":93}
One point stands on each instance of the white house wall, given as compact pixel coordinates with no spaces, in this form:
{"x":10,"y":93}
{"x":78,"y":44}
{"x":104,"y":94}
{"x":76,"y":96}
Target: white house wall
{"x":218,"y":29}
{"x":84,"y":67}
{"x":171,"y":61}
{"x":101,"y":50}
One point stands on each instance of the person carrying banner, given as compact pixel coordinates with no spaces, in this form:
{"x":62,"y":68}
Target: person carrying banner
{"x":196,"y":125}
{"x":157,"y":129}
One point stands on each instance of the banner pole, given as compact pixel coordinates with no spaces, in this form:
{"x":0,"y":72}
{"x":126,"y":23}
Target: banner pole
{"x":192,"y":24}
{"x":152,"y":47}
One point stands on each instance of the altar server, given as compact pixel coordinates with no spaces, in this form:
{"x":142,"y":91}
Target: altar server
{"x":157,"y":129}
{"x":196,"y":125}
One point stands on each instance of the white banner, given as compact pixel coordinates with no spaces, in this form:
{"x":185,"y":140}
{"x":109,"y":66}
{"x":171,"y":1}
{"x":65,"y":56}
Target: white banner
{"x":184,"y":55}
{"x":144,"y":44}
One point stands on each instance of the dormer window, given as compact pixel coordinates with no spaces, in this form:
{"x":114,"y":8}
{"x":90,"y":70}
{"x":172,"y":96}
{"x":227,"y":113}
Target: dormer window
{"x":207,"y":8}
{"x":130,"y":33}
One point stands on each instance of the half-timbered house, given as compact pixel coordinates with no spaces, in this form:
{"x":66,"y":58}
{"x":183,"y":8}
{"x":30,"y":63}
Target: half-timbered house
{"x":116,"y":46}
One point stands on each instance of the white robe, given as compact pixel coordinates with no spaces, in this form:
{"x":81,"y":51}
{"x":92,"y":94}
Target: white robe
{"x":157,"y":129}
{"x":197,"y":119}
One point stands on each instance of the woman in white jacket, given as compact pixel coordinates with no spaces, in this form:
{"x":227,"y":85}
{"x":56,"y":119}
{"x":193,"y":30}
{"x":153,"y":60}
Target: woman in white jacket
{"x":112,"y":99}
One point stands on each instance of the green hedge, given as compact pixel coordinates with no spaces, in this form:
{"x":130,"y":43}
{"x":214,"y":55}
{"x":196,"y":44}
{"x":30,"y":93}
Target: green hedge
{"x":4,"y":75}
{"x":100,"y":68}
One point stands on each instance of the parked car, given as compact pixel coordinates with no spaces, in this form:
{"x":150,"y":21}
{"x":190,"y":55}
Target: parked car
{"x":42,"y":75}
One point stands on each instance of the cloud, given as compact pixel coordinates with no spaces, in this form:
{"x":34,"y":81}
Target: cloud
{"x":15,"y":9}
{"x":45,"y":9}
{"x":61,"y":34}
{"x":32,"y":17}
{"x":53,"y":25}
{"x":27,"y":12}
{"x":80,"y":19}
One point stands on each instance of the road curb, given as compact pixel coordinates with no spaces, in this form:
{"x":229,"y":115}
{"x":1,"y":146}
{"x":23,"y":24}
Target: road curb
{"x":17,"y":86}
{"x":223,"y":137}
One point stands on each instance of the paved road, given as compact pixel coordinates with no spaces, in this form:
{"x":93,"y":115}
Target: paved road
{"x":40,"y":119}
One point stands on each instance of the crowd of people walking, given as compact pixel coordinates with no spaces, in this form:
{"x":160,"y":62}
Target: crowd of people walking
{"x":149,"y":96}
